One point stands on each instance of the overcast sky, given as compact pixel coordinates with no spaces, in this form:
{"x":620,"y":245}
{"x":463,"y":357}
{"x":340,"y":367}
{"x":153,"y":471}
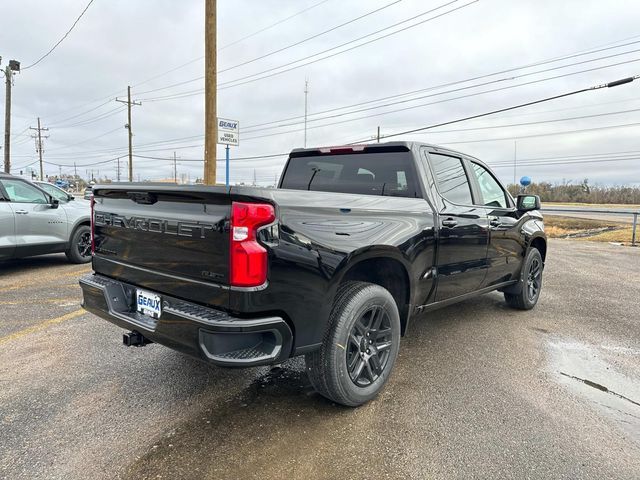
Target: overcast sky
{"x":140,"y":43}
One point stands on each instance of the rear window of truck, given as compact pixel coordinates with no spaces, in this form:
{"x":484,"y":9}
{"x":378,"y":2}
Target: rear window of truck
{"x":384,"y":174}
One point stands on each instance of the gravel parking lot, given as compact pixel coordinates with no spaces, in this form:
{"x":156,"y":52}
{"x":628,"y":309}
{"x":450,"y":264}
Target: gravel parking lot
{"x":479,"y":391}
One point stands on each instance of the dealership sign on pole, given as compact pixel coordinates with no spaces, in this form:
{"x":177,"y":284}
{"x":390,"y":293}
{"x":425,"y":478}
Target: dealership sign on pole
{"x":228,"y":132}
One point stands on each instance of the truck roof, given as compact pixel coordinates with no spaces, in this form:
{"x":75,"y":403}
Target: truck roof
{"x":393,"y":145}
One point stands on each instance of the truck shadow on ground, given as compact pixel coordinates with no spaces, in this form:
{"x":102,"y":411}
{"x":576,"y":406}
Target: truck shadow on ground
{"x":30,"y":264}
{"x":279,"y":411}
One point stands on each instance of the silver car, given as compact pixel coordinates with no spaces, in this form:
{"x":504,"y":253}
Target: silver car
{"x":35,"y":222}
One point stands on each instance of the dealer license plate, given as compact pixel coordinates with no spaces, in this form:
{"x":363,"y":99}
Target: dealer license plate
{"x":148,"y":303}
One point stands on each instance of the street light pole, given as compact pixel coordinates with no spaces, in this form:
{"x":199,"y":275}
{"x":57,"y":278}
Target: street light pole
{"x":7,"y":120}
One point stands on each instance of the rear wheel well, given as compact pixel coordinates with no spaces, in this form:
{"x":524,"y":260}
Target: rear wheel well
{"x":541,"y":245}
{"x":389,"y":274}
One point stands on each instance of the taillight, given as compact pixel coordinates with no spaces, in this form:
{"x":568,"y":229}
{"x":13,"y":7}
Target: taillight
{"x":247,"y":258}
{"x":93,"y":235}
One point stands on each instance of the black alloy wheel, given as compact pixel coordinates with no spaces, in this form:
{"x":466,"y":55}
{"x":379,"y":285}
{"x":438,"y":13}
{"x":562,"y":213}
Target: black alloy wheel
{"x":534,"y":279}
{"x":525,"y":294}
{"x":369,"y":346}
{"x":84,"y":244}
{"x":79,"y":249}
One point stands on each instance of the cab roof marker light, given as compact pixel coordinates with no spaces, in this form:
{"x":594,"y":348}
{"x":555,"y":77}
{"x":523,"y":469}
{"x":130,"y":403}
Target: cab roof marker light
{"x":354,"y":148}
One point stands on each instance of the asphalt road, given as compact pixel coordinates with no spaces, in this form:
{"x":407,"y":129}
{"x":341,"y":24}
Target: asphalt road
{"x":607,"y":217}
{"x":479,"y":391}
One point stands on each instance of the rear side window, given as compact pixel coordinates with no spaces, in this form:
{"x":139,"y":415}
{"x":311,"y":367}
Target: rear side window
{"x":451,"y":178}
{"x":384,"y":174}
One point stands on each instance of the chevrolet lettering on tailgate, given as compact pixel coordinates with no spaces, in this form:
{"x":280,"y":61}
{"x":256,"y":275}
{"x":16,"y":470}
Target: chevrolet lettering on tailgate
{"x":157,"y":225}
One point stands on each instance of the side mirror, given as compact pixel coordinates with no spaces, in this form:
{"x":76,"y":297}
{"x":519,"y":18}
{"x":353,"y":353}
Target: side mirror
{"x":526,"y":203}
{"x":55,"y":203}
{"x":70,"y":197}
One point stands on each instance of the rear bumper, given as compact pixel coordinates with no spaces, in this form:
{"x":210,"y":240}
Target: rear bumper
{"x":205,"y":333}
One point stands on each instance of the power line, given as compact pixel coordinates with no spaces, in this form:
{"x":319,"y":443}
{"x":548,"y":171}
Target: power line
{"x":62,"y":39}
{"x":570,"y":162}
{"x":312,"y":37}
{"x":110,"y":96}
{"x":83,"y":113}
{"x":172,"y":145}
{"x":514,"y":107}
{"x":486,"y":127}
{"x":91,"y":120}
{"x":538,"y":122}
{"x":549,"y":134}
{"x":255,"y":77}
{"x":148,"y":144}
{"x":585,"y":155}
{"x":230,"y":44}
{"x":63,"y":146}
{"x":364,"y":117}
{"x":227,"y":84}
{"x":279,"y":22}
{"x":499,"y":80}
{"x":189,"y":93}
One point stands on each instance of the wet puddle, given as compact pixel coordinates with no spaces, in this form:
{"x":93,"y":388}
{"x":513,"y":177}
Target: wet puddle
{"x":605,"y":376}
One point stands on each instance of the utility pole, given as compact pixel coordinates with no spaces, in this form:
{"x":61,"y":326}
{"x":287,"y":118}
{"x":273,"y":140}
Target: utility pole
{"x":210,"y":93}
{"x":175,"y":168}
{"x":14,"y":66}
{"x":378,"y":134}
{"x":128,"y":127}
{"x":306,"y":95}
{"x":118,"y":169}
{"x":75,"y":171}
{"x":38,"y":137}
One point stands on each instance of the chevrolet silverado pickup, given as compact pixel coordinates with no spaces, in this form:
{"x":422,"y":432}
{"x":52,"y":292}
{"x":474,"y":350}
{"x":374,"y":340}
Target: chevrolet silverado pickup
{"x":354,"y":244}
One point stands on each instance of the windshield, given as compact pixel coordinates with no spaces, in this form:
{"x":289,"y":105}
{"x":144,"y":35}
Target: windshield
{"x":383,"y":173}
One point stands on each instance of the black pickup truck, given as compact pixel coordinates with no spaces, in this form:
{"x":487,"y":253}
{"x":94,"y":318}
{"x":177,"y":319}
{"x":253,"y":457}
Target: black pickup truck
{"x":354,"y":244}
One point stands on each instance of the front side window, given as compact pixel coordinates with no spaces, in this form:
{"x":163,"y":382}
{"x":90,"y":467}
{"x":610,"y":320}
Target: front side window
{"x":55,"y":192}
{"x":492,"y":193}
{"x":451,"y":178}
{"x":21,"y":192}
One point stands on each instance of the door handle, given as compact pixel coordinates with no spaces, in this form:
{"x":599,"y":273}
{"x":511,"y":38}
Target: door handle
{"x":22,"y":212}
{"x":449,"y":222}
{"x":495,"y":222}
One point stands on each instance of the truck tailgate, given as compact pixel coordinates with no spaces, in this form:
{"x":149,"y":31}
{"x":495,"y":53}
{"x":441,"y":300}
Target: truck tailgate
{"x":168,"y":239}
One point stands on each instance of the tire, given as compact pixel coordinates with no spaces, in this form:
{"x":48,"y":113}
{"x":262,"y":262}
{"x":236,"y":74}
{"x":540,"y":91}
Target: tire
{"x":530,"y":283}
{"x":79,"y":250}
{"x":360,"y":346}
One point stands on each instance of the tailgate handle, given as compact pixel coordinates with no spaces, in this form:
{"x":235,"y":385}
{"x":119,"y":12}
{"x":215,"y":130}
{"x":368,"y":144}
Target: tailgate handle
{"x":144,"y":198}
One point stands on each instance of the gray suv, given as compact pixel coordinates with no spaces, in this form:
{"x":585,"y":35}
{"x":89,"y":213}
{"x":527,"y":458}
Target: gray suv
{"x":34,"y":222}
